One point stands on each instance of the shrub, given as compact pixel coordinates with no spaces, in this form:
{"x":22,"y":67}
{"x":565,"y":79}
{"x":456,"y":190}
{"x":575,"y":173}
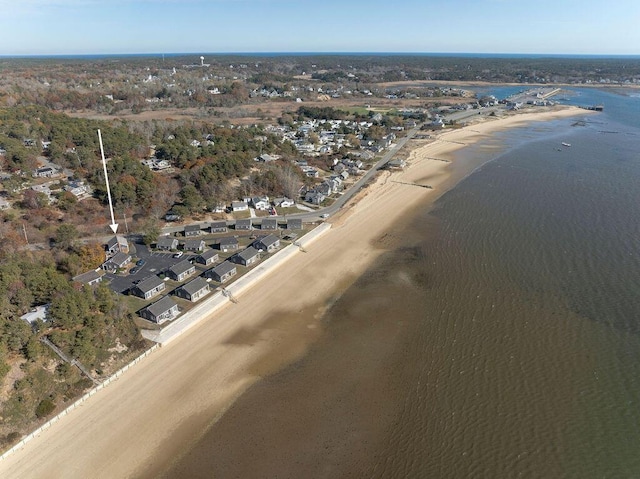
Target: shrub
{"x":45,"y":408}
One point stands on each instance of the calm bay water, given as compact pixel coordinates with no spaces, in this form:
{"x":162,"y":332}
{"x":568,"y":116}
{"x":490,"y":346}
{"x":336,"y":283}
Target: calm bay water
{"x":500,"y":339}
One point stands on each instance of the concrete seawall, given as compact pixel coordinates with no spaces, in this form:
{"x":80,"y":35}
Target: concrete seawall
{"x":185,"y":322}
{"x":77,"y":403}
{"x":220,"y":299}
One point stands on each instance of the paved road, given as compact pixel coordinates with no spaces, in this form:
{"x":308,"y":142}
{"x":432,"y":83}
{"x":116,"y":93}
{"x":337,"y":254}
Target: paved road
{"x":317,"y":215}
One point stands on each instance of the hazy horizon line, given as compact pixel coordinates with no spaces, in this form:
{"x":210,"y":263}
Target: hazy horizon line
{"x":320,"y":53}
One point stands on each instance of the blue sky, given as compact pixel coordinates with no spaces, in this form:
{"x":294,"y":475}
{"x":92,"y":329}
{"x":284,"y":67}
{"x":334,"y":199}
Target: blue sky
{"x":44,"y":27}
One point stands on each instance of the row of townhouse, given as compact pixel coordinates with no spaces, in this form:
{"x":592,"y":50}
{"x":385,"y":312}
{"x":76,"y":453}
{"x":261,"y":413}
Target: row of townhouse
{"x":166,"y":308}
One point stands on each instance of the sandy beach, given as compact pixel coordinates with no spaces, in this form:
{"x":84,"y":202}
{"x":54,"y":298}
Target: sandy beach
{"x":140,"y":423}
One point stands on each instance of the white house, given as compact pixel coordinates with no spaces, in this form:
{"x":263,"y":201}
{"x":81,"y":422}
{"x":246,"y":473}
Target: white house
{"x":239,"y":206}
{"x":260,"y":202}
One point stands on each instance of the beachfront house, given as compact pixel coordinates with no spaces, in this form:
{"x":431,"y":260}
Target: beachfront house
{"x":294,"y":224}
{"x":166,"y":243}
{"x":181,"y":271}
{"x":222,"y":273}
{"x":162,"y":310}
{"x":193,"y":290}
{"x":208,"y":257}
{"x":267,"y":243}
{"x":148,"y":288}
{"x":227,"y":244}
{"x":246,"y":257}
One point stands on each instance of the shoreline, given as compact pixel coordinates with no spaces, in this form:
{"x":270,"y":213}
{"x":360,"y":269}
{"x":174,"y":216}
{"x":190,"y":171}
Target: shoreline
{"x":167,"y":398}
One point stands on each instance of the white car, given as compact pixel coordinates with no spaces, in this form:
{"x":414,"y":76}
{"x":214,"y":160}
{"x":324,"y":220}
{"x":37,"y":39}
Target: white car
{"x":178,"y":254}
{"x":324,"y":215}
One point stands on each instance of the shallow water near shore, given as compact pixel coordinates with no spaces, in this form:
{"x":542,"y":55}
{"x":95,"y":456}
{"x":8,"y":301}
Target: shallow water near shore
{"x":498,"y":337}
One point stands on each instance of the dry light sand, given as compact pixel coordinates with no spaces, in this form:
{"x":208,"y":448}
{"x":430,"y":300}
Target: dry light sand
{"x":148,"y":416}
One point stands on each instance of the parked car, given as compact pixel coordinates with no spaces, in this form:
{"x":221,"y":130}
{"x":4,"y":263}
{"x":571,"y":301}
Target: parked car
{"x":178,"y":254}
{"x":141,"y":262}
{"x":134,"y":270}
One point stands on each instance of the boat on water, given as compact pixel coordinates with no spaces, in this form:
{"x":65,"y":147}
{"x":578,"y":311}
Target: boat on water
{"x":566,"y":144}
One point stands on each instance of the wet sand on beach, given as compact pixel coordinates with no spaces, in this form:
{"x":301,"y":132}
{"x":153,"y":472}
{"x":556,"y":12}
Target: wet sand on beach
{"x":180,"y":400}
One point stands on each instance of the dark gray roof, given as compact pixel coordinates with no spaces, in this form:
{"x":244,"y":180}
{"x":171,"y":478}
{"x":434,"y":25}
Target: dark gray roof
{"x":149,"y":284}
{"x":228,"y":240}
{"x":294,"y":224}
{"x":193,"y":244}
{"x":218,"y":225}
{"x":88,"y":277}
{"x":267,"y":241}
{"x":248,"y":253}
{"x":196,"y":285}
{"x":120,"y":258}
{"x":166,"y":242}
{"x":181,"y":267}
{"x":208,"y":254}
{"x":269,"y":223}
{"x":243,"y":223}
{"x":117,"y":240}
{"x":224,"y":268}
{"x":191,"y":228}
{"x":161,"y":306}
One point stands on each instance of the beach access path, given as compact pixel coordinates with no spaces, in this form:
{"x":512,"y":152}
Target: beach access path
{"x":144,"y":419}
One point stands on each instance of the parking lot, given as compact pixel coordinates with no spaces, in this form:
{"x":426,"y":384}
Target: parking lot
{"x":154,"y":263}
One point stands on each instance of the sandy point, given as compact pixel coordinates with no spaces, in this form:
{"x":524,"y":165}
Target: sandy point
{"x":151,"y":414}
